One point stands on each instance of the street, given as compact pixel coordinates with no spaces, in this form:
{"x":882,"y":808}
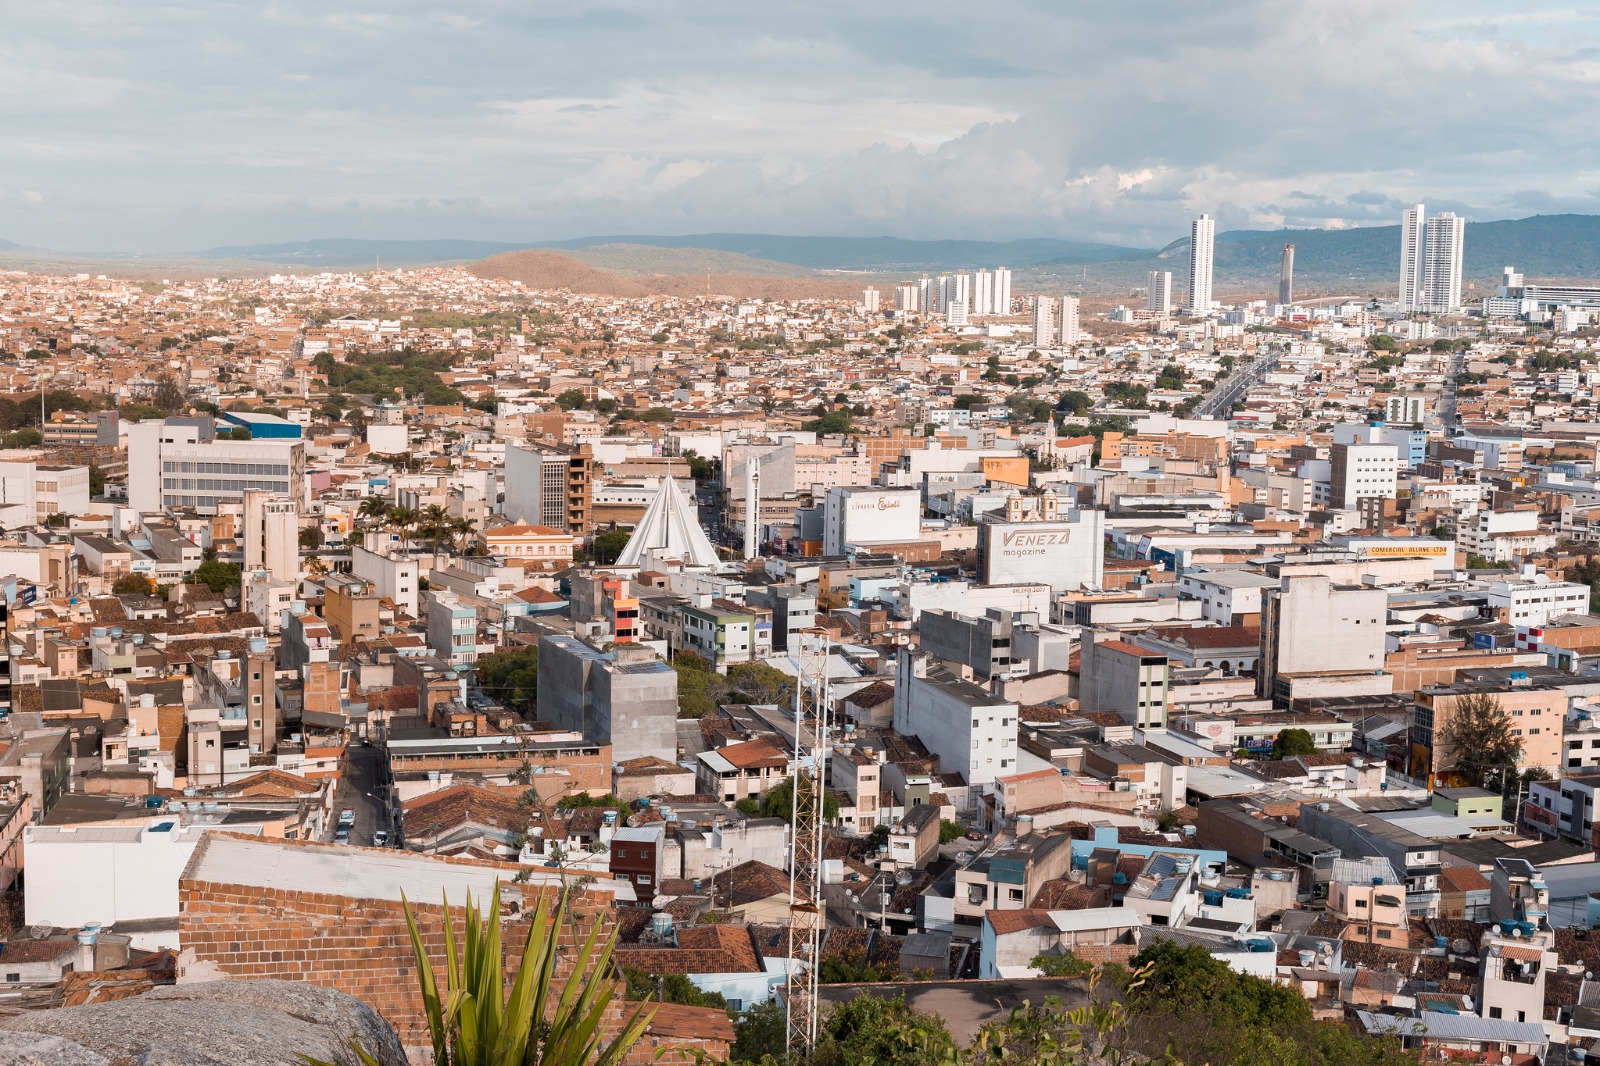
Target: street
{"x":360,"y":788}
{"x":1220,"y":402}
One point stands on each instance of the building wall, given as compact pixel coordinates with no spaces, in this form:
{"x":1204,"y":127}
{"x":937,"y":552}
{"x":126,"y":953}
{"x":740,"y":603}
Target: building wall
{"x":636,"y":709}
{"x":362,"y":947}
{"x":134,"y":879}
{"x":394,"y":578}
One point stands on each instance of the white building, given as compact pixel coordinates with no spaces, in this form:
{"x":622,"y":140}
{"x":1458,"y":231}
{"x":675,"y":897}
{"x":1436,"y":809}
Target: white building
{"x":1044,"y":322}
{"x":181,"y":463}
{"x":973,"y":732}
{"x":1535,"y":601}
{"x":1158,"y":294}
{"x":869,"y":301}
{"x":867,"y":516}
{"x":905,"y":298}
{"x":1441,"y":273}
{"x":106,"y":874}
{"x":1406,"y":409}
{"x":1411,"y":258}
{"x":1362,"y":472}
{"x":1069,"y":330}
{"x":1227,"y":597}
{"x":31,"y":493}
{"x":271,"y":535}
{"x":1503,"y":536}
{"x":955,"y":313}
{"x":1310,"y":626}
{"x":1202,"y":237}
{"x":982,"y":293}
{"x":1002,"y":292}
{"x":391,"y":576}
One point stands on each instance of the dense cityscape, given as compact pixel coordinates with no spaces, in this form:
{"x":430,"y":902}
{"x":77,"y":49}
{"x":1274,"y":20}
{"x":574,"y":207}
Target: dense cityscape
{"x":954,"y":664}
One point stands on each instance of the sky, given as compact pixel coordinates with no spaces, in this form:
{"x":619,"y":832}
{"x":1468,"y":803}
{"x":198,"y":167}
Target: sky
{"x":164,"y":126}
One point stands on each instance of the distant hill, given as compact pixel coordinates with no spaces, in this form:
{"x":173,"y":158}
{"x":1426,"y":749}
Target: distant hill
{"x":544,"y":269}
{"x":885,"y":254}
{"x":649,"y":259}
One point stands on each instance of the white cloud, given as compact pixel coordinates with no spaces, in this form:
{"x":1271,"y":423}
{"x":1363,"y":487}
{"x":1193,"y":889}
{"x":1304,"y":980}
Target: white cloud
{"x":187,"y":124}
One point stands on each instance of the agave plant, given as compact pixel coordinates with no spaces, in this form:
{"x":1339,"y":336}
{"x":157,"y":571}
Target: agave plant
{"x":474,"y":1021}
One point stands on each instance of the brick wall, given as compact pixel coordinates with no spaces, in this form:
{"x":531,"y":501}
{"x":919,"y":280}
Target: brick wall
{"x":361,"y":946}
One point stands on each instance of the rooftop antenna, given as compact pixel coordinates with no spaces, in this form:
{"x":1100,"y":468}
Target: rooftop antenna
{"x":812,"y":701}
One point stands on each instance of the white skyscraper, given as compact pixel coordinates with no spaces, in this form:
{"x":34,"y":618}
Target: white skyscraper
{"x":1067,"y":326}
{"x":982,"y":293}
{"x":1158,"y":297}
{"x":962,"y":290}
{"x":869,"y":301}
{"x":1441,"y":256}
{"x":1411,"y":259}
{"x":1044,"y":322}
{"x":1202,"y":235}
{"x":941,"y":293}
{"x":1002,"y":292}
{"x":905,"y":298}
{"x":955,"y":313}
{"x":925,"y":294}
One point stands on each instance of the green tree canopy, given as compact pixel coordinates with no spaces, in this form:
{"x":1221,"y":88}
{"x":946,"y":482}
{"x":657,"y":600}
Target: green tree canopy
{"x":1291,"y":742}
{"x":1478,"y":740}
{"x":511,"y":676}
{"x":608,"y":546}
{"x":216,"y":575}
{"x":133,"y":585}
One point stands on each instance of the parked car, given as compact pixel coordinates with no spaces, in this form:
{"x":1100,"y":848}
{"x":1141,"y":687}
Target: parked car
{"x":347,"y":816}
{"x":977,"y":834}
{"x":380,"y":839}
{"x":341,"y":835}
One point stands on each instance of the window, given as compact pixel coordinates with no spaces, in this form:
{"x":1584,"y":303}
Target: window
{"x":644,"y":879}
{"x":1015,"y":895}
{"x":12,"y":978}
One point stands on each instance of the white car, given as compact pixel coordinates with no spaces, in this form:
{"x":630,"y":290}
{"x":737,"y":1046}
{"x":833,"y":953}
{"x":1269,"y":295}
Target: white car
{"x":380,"y":839}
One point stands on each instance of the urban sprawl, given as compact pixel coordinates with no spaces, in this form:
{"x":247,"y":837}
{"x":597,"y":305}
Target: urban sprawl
{"x":952,"y":636}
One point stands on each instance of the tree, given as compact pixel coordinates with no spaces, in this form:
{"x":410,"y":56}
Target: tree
{"x":643,"y":986}
{"x":853,"y":967}
{"x":950,"y":831}
{"x":608,"y":546}
{"x":402,"y":519}
{"x":700,"y":688}
{"x":168,"y":397}
{"x":872,"y":1031}
{"x":1291,"y":742}
{"x":832,"y":422}
{"x":778,"y":802}
{"x":216,"y":575}
{"x":1478,"y":739}
{"x":97,"y":481}
{"x":1075,"y":403}
{"x":511,"y":676}
{"x":571,"y":399}
{"x":375,"y":508}
{"x":760,"y":683}
{"x":760,"y":1032}
{"x":133,"y":585}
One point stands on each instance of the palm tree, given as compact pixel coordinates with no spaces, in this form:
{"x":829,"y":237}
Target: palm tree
{"x":461,"y":532}
{"x":434,"y":524}
{"x":402,"y":519}
{"x":375,"y":508}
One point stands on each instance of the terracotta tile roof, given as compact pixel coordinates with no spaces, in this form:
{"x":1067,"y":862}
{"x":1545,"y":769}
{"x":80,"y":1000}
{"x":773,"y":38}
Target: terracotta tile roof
{"x":699,"y":949}
{"x":1016,"y":921}
{"x":753,"y":754}
{"x":752,"y":882}
{"x":674,"y":1021}
{"x":461,"y":805}
{"x":648,"y":765}
{"x":1462,"y":879}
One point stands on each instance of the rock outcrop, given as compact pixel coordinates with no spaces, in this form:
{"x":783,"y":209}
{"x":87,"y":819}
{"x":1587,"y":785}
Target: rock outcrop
{"x":212,"y":1023}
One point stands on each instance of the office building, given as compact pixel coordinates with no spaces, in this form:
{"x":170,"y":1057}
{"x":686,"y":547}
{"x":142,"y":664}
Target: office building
{"x":1441,"y":274}
{"x":1158,"y":296}
{"x":548,"y":488}
{"x":955,"y":313}
{"x":271,"y":535}
{"x":1202,"y":236}
{"x":180,"y":462}
{"x":1286,"y":276}
{"x":1411,"y":235}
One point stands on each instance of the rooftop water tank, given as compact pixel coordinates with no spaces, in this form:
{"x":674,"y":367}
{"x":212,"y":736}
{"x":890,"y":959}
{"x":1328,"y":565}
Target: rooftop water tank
{"x":661,"y":924}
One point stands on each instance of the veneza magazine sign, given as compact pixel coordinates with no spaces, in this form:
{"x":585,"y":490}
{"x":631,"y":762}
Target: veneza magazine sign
{"x":1067,"y":555}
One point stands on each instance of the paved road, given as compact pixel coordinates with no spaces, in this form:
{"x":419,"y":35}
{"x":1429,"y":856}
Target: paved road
{"x":360,"y":788}
{"x":1219,"y":402}
{"x":1447,"y":401}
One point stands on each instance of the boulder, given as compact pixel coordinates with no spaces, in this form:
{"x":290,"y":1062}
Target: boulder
{"x":211,"y":1023}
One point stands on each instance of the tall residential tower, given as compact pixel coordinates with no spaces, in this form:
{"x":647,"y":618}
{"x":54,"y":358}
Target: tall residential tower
{"x":1202,"y":235}
{"x":1286,"y":276}
{"x":1441,"y":258}
{"x":1411,"y":259}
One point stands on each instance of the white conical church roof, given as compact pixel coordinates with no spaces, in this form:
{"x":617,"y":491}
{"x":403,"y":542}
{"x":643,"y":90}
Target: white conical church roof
{"x":670,"y":528}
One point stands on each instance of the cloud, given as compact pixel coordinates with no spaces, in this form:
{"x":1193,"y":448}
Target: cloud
{"x":186,"y":124}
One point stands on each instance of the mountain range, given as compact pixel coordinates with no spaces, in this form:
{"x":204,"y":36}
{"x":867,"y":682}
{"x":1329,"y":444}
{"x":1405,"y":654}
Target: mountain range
{"x":1543,"y":246}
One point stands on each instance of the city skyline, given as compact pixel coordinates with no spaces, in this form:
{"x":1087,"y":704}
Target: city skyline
{"x":186,"y":127}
